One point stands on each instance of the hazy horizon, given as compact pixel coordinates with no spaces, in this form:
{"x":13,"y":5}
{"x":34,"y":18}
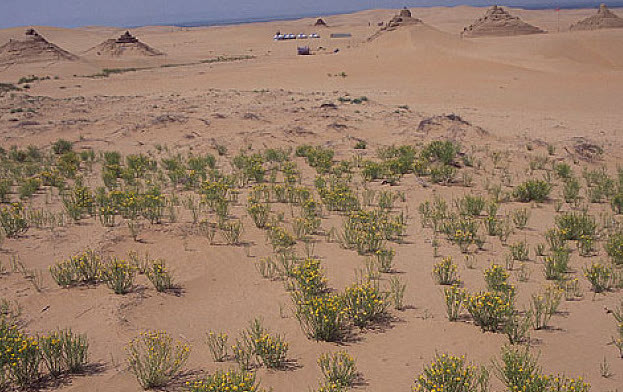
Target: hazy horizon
{"x":122,"y":13}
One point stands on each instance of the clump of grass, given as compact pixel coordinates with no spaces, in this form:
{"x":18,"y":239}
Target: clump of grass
{"x":159,"y":275}
{"x":532,"y":190}
{"x":489,"y":310}
{"x":338,"y":368}
{"x":217,"y":343}
{"x":449,"y":373}
{"x":455,"y":300}
{"x":119,"y":276}
{"x":544,"y":306}
{"x":364,"y":304}
{"x":231,"y":380}
{"x":155,"y":358}
{"x":321,"y":318}
{"x":445,"y":272}
{"x":599,"y":276}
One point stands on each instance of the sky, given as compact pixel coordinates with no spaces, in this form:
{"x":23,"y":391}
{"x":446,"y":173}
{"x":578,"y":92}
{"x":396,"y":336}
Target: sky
{"x":122,"y":13}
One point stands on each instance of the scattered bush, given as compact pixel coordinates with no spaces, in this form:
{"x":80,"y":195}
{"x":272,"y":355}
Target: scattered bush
{"x":532,"y":190}
{"x":155,"y":358}
{"x":338,"y":368}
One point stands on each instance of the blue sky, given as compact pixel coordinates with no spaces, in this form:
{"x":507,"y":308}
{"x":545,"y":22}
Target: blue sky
{"x":70,"y":13}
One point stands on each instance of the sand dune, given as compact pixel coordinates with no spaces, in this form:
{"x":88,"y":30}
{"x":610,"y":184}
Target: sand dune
{"x":234,"y":86}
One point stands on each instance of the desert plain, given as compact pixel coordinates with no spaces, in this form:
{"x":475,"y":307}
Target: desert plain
{"x":517,"y":108}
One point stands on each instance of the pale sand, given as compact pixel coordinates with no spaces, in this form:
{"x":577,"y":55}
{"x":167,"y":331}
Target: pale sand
{"x":543,"y":88}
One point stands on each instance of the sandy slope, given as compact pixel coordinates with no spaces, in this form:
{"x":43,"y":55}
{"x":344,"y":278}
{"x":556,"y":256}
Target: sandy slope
{"x":544,"y":88}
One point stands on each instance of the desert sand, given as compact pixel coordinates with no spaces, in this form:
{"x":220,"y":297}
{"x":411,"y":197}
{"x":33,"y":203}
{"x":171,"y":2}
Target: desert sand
{"x":234,"y":86}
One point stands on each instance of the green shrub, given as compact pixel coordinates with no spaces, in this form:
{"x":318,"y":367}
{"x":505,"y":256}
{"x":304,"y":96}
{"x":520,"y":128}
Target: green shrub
{"x":231,"y":380}
{"x":338,"y":368}
{"x":532,"y":190}
{"x":445,"y":272}
{"x":119,"y":276}
{"x":448,"y":373}
{"x":321,"y":318}
{"x":160,"y":277}
{"x":490,"y":311}
{"x":614,"y":248}
{"x":443,"y":151}
{"x":61,"y":146}
{"x":364,"y":304}
{"x":155,"y":358}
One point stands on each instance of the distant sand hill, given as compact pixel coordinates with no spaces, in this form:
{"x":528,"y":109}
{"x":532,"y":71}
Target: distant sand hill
{"x":125,"y":45}
{"x":31,"y":49}
{"x":499,"y":22}
{"x":604,"y":19}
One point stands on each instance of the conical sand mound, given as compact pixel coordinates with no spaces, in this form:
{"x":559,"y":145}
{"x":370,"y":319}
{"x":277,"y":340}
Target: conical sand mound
{"x":125,"y":45}
{"x":404,"y":18}
{"x":497,"y":22}
{"x":604,"y":19}
{"x":31,"y":49}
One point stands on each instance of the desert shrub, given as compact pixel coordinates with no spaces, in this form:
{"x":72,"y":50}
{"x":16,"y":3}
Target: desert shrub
{"x":444,"y":151}
{"x":519,"y":251}
{"x":259,"y":212}
{"x":385,"y":257}
{"x":271,"y":349}
{"x":61,"y":146}
{"x":471,"y":205}
{"x":336,"y":194}
{"x":462,"y":231}
{"x":321,"y":318}
{"x":614,"y":248}
{"x":573,"y":226}
{"x":445,"y":272}
{"x":489,"y":310}
{"x":12,"y":220}
{"x":217,"y":344}
{"x":617,"y":203}
{"x":250,"y":166}
{"x":599,"y":276}
{"x":544,"y":306}
{"x":455,"y":300}
{"x":338,"y":368}
{"x":81,"y":269}
{"x":20,"y":356}
{"x":231,"y":231}
{"x":159,"y":276}
{"x":364,"y":304}
{"x":519,"y":371}
{"x":448,"y":373}
{"x":563,"y":170}
{"x":231,"y":380}
{"x":281,"y":239}
{"x":496,"y":278}
{"x":361,"y":145}
{"x":119,"y":276}
{"x":520,"y":218}
{"x":64,"y":350}
{"x":29,"y":187}
{"x":309,"y":277}
{"x":155,"y":358}
{"x":442,"y":174}
{"x":318,"y":157}
{"x":571,"y":190}
{"x":532,"y":190}
{"x":556,"y":266}
{"x":79,"y":201}
{"x":366,"y":231}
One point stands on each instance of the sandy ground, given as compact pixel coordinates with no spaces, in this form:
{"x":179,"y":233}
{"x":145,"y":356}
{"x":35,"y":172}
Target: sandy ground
{"x":551,"y":88}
